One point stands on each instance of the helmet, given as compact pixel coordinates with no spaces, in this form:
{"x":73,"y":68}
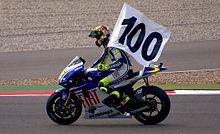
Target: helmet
{"x":102,"y":34}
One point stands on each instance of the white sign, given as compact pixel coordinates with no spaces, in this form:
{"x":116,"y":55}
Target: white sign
{"x":139,"y":36}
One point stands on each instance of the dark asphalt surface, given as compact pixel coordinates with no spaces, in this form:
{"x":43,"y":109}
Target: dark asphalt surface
{"x":49,"y":63}
{"x":189,"y":115}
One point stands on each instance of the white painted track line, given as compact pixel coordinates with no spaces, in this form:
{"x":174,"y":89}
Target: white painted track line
{"x":169,"y":92}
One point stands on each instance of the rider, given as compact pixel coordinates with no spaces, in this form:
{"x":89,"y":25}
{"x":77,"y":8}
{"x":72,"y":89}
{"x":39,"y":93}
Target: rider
{"x":120,"y":62}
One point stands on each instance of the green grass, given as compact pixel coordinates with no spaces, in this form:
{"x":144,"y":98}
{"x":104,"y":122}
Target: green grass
{"x":163,"y":86}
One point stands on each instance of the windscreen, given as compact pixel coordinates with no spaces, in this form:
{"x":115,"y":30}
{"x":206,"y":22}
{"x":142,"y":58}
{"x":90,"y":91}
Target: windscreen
{"x":75,"y":61}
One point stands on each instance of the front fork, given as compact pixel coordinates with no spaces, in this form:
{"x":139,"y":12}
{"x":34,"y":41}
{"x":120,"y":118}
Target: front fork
{"x":68,"y":99}
{"x":66,"y":96}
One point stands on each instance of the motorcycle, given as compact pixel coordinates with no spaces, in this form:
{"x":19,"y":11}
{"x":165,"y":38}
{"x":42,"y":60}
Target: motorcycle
{"x":80,"y":92}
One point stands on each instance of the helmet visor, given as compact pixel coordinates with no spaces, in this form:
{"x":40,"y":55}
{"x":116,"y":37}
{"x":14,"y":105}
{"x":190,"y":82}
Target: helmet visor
{"x":95,"y":34}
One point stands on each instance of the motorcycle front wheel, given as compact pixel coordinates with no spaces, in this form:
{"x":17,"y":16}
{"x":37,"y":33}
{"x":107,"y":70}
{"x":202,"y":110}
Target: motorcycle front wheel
{"x":63,"y":115}
{"x":159,"y":106}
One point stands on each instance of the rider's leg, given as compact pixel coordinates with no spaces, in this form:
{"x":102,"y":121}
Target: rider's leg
{"x":129,"y":103}
{"x":111,"y":100}
{"x":117,"y":77}
{"x":104,"y":85}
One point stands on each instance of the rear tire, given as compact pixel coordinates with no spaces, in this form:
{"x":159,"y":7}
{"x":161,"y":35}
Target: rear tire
{"x":160,"y":106}
{"x":63,"y":115}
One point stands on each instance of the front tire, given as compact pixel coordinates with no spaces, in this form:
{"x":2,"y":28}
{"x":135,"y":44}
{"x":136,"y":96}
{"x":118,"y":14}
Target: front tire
{"x":60,"y":114}
{"x":159,"y":103}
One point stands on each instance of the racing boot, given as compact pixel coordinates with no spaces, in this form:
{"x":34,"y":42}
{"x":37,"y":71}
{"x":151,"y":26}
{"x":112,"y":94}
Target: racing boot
{"x":133,"y":106}
{"x":130,"y":104}
{"x":111,"y":101}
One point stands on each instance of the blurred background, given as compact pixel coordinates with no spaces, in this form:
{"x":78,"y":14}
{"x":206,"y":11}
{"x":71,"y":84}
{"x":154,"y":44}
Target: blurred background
{"x":56,"y":24}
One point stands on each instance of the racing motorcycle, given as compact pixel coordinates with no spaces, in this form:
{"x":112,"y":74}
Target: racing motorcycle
{"x":80,"y":92}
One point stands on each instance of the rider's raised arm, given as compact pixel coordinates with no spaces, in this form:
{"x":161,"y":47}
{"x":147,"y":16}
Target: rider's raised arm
{"x":102,"y":59}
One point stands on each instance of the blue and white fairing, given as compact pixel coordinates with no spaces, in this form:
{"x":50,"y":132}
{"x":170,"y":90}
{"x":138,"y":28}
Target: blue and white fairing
{"x":95,"y":75}
{"x":74,"y":67}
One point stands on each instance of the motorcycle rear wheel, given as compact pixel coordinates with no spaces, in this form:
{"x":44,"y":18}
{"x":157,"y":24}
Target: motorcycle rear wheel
{"x":60,"y":114}
{"x":159,"y":103}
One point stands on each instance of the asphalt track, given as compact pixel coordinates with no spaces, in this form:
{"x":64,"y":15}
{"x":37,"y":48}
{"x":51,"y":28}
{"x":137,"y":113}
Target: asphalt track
{"x":189,"y":115}
{"x":48,"y":63}
{"x":195,"y":114}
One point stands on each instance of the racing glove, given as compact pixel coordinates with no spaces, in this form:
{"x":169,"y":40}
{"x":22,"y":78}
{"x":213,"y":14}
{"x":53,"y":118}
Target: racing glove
{"x":102,"y":67}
